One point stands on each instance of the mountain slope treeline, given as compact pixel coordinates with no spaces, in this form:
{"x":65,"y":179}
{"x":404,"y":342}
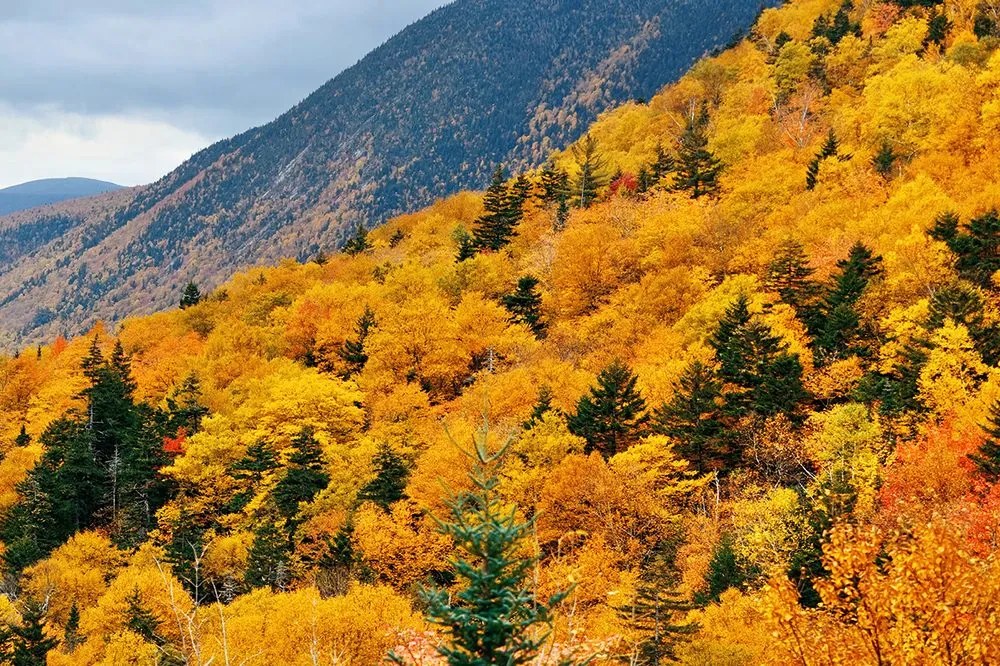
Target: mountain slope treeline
{"x":427,"y":114}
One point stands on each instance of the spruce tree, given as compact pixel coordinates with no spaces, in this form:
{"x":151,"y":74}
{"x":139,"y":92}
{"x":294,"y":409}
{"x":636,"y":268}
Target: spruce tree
{"x":694,"y":417}
{"x":525,"y":305}
{"x":555,"y":184}
{"x":184,"y":550}
{"x":250,"y":472}
{"x":389,"y":484}
{"x":71,"y":634}
{"x":494,"y":229}
{"x":829,"y":149}
{"x":884,"y":160}
{"x":269,"y":558}
{"x":191,"y":296}
{"x":662,"y":166}
{"x":761,"y":376}
{"x":697,"y":168}
{"x":358,"y":243}
{"x":494,"y":617}
{"x":837,"y":330}
{"x":543,"y":405}
{"x":466,"y":245}
{"x":591,"y":171}
{"x":613,"y":416}
{"x":987,"y":458}
{"x":790,"y":276}
{"x":185,"y":409}
{"x":963,"y":303}
{"x":141,"y":620}
{"x":304,"y":477}
{"x":29,"y":643}
{"x":397,"y":237}
{"x":353,"y":353}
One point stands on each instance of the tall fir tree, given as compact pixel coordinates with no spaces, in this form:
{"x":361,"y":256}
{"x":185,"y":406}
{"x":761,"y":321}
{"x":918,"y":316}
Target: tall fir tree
{"x":884,"y":160}
{"x":977,"y":246}
{"x":613,"y":415}
{"x":353,"y":353}
{"x":525,"y":305}
{"x":26,"y":643}
{"x":837,"y":331}
{"x":695,"y":419}
{"x":829,"y":149}
{"x":663,"y":165}
{"x":543,"y":406}
{"x":494,"y":617}
{"x":305,"y":475}
{"x":495,"y":228}
{"x":790,"y":276}
{"x":72,"y":638}
{"x":591,"y":171}
{"x":269,"y":558}
{"x":697,"y":169}
{"x":191,"y":296}
{"x":389,"y":484}
{"x":358,"y":243}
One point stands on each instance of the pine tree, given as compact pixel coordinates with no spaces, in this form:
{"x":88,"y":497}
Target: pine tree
{"x":761,"y":377}
{"x":838,"y":327}
{"x":305,"y":476}
{"x":555,"y":184}
{"x":724,"y":572}
{"x":830,"y":149}
{"x":543,"y":405}
{"x":494,"y":229}
{"x":269,"y":557}
{"x":987,"y":458}
{"x":71,"y":634}
{"x":963,"y":303}
{"x":389,"y":484}
{"x":884,"y":160}
{"x":613,"y":416}
{"x":694,"y":418}
{"x":525,"y":305}
{"x":29,"y":643}
{"x":591,"y":171}
{"x":466,"y":245}
{"x":191,"y":296}
{"x":184,"y":407}
{"x":562,"y":215}
{"x":790,"y":276}
{"x":662,"y":166}
{"x":184,"y":550}
{"x":358,"y":243}
{"x":655,"y":612}
{"x":492,"y":618}
{"x":938,"y":28}
{"x":250,"y":472}
{"x":697,"y":168}
{"x":353,"y":351}
{"x":141,"y":620}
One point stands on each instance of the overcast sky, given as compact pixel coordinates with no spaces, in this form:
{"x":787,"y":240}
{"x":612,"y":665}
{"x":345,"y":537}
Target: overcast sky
{"x":125,"y":90}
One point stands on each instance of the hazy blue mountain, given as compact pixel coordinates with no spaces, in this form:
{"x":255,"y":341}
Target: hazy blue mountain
{"x":50,"y":190}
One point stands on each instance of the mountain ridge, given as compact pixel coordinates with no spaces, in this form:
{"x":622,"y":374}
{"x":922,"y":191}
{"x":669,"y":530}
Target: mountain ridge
{"x":45,"y":191}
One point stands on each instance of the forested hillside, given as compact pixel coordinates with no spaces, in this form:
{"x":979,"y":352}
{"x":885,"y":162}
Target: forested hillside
{"x":731,"y":360}
{"x":51,"y":190}
{"x":427,"y":114}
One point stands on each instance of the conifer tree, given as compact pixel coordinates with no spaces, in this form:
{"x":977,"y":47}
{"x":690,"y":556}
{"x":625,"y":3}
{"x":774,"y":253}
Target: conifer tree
{"x":830,"y":149}
{"x":655,"y":613}
{"x":358,"y":243}
{"x":466,"y":246}
{"x":987,"y":458}
{"x":71,"y":634}
{"x":353,"y":351}
{"x":269,"y":557}
{"x":305,"y":476}
{"x":493,"y":618}
{"x":543,"y":405}
{"x":184,"y":550}
{"x":591,"y":171}
{"x":977,"y":247}
{"x":389,"y":484}
{"x":494,"y":229}
{"x":662,"y":166}
{"x":884,"y":160}
{"x":555,"y":184}
{"x":397,"y":237}
{"x":790,"y":276}
{"x":525,"y":305}
{"x":184,"y":407}
{"x":191,"y":296}
{"x":761,"y":377}
{"x":27,"y":643}
{"x":23,"y":439}
{"x":562,"y":215}
{"x":839,"y":326}
{"x":697,"y":168}
{"x":141,"y":620}
{"x":694,"y":418}
{"x":613,"y":416}
{"x":962,"y":303}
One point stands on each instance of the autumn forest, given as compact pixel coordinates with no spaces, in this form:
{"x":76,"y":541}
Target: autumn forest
{"x":719,"y":383}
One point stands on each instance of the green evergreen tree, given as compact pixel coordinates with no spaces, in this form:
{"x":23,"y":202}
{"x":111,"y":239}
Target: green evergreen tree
{"x":183,"y":551}
{"x":23,"y":439}
{"x":353,"y":353}
{"x":525,"y":305}
{"x":397,"y":237}
{"x":29,"y":644}
{"x":663,"y":165}
{"x":655,"y":613}
{"x":269,"y":558}
{"x":897,"y":391}
{"x":191,"y":296}
{"x":613,"y":416}
{"x":494,"y":617}
{"x":562,"y":215}
{"x":543,"y":405}
{"x":830,"y":149}
{"x":141,"y":620}
{"x":938,"y":28}
{"x":977,"y":247}
{"x":964,"y":304}
{"x":495,"y":228}
{"x":591,"y":171}
{"x":304,"y":477}
{"x":694,"y":417}
{"x":250,"y":471}
{"x":724,"y":572}
{"x":790,"y":276}
{"x":987,"y":458}
{"x":760,"y":375}
{"x":71,"y":634}
{"x":358,"y":243}
{"x":391,"y":474}
{"x":837,"y":330}
{"x":884,"y":160}
{"x":185,"y":409}
{"x":697,"y":169}
{"x":555,"y":184}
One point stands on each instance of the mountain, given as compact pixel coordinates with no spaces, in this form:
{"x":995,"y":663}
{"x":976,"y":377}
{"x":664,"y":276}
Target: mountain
{"x":429,"y":113}
{"x":50,"y":190}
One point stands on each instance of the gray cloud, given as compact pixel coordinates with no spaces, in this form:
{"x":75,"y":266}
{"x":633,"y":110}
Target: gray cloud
{"x":204,"y":68}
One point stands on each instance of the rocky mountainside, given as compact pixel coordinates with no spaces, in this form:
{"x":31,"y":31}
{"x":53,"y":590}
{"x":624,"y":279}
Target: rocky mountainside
{"x":428,"y":113}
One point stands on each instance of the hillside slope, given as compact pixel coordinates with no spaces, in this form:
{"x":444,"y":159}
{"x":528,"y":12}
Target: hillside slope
{"x":764,"y":411}
{"x":429,"y":113}
{"x":50,"y":190}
